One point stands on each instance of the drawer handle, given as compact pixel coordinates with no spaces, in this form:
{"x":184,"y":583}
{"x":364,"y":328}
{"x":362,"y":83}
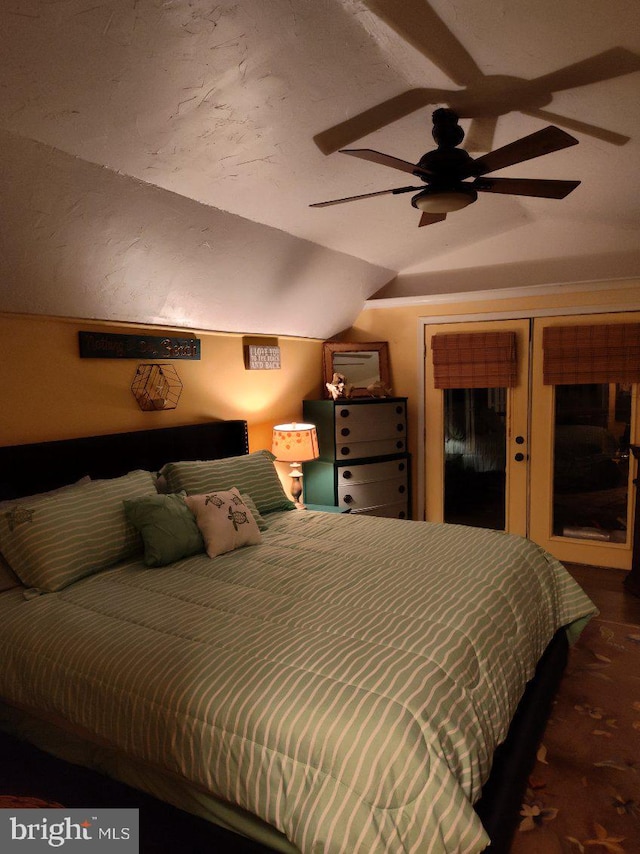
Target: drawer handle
{"x":401,"y":489}
{"x":345,"y":431}
{"x":344,"y":413}
{"x":400,"y":445}
{"x":399,"y":410}
{"x":401,"y":467}
{"x":400,"y":428}
{"x":347,"y":475}
{"x":348,"y":499}
{"x":345,"y":451}
{"x":402,"y":515}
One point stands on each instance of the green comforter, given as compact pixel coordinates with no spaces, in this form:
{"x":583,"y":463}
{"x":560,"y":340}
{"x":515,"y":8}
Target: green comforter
{"x":347,"y":680}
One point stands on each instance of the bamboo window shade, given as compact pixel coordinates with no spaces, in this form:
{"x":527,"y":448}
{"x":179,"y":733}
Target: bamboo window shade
{"x":608,"y":353}
{"x":474,"y":360}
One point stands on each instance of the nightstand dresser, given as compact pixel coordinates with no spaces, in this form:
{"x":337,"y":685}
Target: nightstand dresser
{"x":364,"y":466}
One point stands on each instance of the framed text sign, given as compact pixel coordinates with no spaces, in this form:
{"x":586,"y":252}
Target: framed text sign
{"x":105,"y":345}
{"x":261,"y":354}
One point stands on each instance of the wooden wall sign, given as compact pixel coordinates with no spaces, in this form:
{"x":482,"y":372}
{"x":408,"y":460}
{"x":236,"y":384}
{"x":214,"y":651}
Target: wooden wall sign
{"x":261,"y":354}
{"x":105,"y":345}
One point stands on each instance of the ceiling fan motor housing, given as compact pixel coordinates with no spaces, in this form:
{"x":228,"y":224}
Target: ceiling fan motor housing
{"x":447,"y":166}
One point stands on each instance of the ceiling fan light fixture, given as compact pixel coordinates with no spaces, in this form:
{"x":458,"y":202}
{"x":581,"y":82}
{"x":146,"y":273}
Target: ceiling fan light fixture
{"x":444,"y":201}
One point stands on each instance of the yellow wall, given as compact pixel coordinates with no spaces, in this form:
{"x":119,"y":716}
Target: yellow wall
{"x":49,"y":392}
{"x":400,"y":325}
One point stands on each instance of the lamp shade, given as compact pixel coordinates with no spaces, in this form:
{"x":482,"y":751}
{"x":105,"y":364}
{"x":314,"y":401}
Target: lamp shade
{"x":295,"y":443}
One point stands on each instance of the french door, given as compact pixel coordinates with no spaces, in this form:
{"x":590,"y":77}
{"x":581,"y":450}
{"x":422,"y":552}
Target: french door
{"x":582,"y":472}
{"x":476,"y":451}
{"x":547,"y":461}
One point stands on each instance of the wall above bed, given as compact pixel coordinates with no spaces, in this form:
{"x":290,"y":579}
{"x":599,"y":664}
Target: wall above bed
{"x":51,"y":393}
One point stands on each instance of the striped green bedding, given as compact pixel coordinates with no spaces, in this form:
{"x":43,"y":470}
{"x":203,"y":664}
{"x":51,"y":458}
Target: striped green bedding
{"x":346,"y":680}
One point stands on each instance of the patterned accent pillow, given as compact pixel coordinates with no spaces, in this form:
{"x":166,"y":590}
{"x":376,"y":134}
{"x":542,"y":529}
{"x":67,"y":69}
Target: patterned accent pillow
{"x":53,"y":540}
{"x":167,"y":526}
{"x":224,"y":520}
{"x":253,"y":473}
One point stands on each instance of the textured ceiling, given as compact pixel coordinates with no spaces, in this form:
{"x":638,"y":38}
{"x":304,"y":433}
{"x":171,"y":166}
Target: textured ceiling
{"x":239,"y":109}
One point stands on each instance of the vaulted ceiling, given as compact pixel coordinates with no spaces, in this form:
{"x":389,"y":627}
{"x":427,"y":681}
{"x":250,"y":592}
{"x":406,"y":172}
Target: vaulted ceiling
{"x":159,"y":156}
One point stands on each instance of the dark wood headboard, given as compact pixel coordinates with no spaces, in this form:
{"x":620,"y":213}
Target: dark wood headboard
{"x":29,"y":469}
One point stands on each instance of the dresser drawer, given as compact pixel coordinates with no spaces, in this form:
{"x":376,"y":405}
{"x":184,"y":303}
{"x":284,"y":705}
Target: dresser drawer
{"x":376,"y":448}
{"x":398,"y":510}
{"x":358,"y":496}
{"x":371,"y":472}
{"x":368,"y":422}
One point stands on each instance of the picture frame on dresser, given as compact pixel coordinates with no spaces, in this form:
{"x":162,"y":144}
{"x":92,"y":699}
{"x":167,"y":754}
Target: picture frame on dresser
{"x":361,"y":363}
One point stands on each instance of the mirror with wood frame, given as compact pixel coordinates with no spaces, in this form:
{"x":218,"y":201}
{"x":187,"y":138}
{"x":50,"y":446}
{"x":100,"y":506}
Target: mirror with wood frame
{"x":365,"y":367}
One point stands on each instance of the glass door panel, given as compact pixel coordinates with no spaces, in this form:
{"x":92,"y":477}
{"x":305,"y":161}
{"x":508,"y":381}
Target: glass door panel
{"x":475,"y":447}
{"x":591,"y":462}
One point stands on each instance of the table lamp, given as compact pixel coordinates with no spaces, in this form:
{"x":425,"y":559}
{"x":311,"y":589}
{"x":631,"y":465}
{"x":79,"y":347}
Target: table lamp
{"x":295,"y":444}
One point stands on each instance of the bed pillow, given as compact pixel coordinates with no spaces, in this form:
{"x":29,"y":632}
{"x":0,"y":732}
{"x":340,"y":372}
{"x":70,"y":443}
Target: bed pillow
{"x":167,"y":526}
{"x":253,"y":474}
{"x":8,"y":578}
{"x":251,"y":505}
{"x":53,"y":540}
{"x":224,"y":520}
{"x":9,"y":502}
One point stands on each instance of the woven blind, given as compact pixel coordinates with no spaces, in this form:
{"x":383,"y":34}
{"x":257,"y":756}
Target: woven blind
{"x":591,"y":354}
{"x":474,"y":359}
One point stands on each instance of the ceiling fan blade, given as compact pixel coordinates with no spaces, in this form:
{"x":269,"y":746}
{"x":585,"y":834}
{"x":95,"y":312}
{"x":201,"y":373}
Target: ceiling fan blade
{"x":386,"y":160}
{"x":417,"y":23}
{"x":534,"y":145}
{"x":582,"y":127}
{"x":336,"y":137}
{"x":543,"y":188}
{"x":429,"y":218}
{"x":394,"y":191}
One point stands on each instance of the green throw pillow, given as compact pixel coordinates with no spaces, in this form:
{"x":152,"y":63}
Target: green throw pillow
{"x":168,"y":528}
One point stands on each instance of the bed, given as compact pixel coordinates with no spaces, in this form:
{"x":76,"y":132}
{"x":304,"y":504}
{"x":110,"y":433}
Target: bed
{"x":333,"y":683}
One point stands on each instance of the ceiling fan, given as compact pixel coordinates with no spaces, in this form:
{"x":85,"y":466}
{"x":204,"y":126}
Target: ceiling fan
{"x":445,"y":170}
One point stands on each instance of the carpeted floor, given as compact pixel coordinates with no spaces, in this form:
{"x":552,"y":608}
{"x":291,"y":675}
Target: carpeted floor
{"x":584,"y":793}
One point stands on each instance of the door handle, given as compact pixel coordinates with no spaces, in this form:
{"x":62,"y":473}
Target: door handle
{"x":519,"y":457}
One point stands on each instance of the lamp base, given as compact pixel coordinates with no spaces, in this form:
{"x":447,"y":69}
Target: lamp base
{"x":296,"y":485}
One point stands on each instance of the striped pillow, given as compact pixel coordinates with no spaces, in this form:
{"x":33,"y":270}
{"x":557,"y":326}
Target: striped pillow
{"x":51,"y":541}
{"x":253,"y":474}
{"x":8,"y":578}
